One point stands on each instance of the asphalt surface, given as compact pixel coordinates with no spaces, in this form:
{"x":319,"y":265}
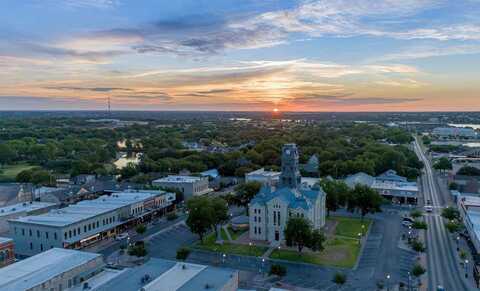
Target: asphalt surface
{"x":443,"y":267}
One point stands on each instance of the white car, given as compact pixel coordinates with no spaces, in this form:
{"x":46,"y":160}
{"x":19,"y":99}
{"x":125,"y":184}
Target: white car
{"x":407,"y":223}
{"x":121,"y":236}
{"x":428,"y":208}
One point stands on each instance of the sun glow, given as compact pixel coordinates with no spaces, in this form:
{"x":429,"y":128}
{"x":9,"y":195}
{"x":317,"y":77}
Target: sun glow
{"x":275,"y":110}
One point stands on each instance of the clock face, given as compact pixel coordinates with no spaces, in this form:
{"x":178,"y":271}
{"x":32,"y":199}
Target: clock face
{"x":287,"y":152}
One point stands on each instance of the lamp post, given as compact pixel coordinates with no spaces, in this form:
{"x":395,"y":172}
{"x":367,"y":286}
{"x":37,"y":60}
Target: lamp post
{"x":409,"y":278}
{"x":458,"y":243}
{"x":466,"y":268}
{"x":223,"y":258}
{"x":263,"y":265}
{"x":388,"y":282}
{"x":359,"y":238}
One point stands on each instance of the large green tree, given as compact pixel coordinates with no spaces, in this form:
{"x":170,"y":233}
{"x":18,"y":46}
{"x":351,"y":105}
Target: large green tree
{"x":200,"y":215}
{"x":366,"y":200}
{"x":298,"y":232}
{"x":245,"y":193}
{"x":337,"y":194}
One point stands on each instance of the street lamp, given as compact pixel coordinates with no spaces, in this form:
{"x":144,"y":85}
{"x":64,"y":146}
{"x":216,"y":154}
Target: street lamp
{"x":223,"y":258}
{"x":388,"y":282}
{"x":409,"y":278}
{"x":466,"y":268}
{"x":359,"y":238}
{"x":458,"y":242}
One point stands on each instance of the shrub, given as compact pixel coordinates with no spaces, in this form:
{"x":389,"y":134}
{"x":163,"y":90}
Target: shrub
{"x":416,"y":213}
{"x":141,"y":229}
{"x":418,"y":270}
{"x":172,"y":216}
{"x":182,"y":254}
{"x":418,"y":246}
{"x":417,"y":224}
{"x":137,"y":250}
{"x":453,"y":226}
{"x":339,"y":278}
{"x":450,"y":213}
{"x":278,"y":270}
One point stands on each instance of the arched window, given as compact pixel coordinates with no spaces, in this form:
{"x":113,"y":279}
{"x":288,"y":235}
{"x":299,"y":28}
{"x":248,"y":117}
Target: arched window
{"x":2,"y":256}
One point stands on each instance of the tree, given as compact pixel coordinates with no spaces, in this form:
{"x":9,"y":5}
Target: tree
{"x":182,"y":253}
{"x":418,"y":270}
{"x":416,"y":214}
{"x":450,"y":213}
{"x":316,"y":240}
{"x":337,"y":192}
{"x":339,"y":278}
{"x":298,"y":232}
{"x":417,"y":224}
{"x":141,"y":229}
{"x":278,"y":270}
{"x":453,"y":226}
{"x":443,"y":164}
{"x":469,"y":171}
{"x":220,"y":212}
{"x":418,"y":246}
{"x":366,"y":200}
{"x":200,"y":218}
{"x":7,"y":154}
{"x":245,"y":192}
{"x":453,"y":186}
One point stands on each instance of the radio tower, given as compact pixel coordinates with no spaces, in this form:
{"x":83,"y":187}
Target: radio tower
{"x":109,"y":112}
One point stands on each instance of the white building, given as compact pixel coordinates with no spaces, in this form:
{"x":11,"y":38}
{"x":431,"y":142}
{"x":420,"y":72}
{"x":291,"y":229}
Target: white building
{"x":189,"y":185}
{"x":53,"y":270}
{"x":469,"y":207}
{"x":86,"y":222}
{"x":163,"y":275}
{"x":454,"y":132}
{"x":271,"y":208}
{"x":390,"y":185}
{"x":22,"y":209}
{"x":268,"y":178}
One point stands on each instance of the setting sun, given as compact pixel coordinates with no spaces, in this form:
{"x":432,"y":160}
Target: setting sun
{"x":275,"y":110}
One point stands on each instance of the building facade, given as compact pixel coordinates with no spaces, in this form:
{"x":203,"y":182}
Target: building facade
{"x":7,"y":255}
{"x":268,"y":178}
{"x":188,"y":185}
{"x":53,"y":270}
{"x":390,"y":185}
{"x":20,"y":210}
{"x":87,"y":222}
{"x":271,"y":208}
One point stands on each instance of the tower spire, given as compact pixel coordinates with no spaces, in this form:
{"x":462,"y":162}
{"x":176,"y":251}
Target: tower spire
{"x":290,"y":176}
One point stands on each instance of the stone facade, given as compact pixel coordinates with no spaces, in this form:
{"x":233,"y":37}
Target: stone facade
{"x":271,"y":208}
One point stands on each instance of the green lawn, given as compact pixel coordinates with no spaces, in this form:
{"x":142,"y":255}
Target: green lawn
{"x":338,"y":252}
{"x":341,"y":250}
{"x":229,"y":248}
{"x":236,"y":234}
{"x":350,"y":227}
{"x":223,"y":234}
{"x":8,"y":173}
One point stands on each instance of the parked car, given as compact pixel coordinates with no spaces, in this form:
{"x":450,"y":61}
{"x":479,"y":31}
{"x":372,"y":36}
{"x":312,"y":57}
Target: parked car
{"x":121,"y":236}
{"x":407,"y":223}
{"x":409,"y":219}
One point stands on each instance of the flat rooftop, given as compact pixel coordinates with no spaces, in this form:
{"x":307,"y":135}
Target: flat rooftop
{"x":23,"y":207}
{"x":263,"y":172}
{"x":165,"y":275}
{"x":4,"y":240}
{"x":42,"y":267}
{"x":468,"y":200}
{"x":178,"y":179}
{"x":400,"y":186}
{"x":89,"y":208}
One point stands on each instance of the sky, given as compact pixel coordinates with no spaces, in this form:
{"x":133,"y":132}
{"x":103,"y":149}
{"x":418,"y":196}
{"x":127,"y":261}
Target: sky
{"x":240,"y":55}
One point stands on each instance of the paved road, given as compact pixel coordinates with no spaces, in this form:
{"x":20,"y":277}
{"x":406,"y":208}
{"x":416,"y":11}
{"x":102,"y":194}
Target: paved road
{"x":442,"y":265}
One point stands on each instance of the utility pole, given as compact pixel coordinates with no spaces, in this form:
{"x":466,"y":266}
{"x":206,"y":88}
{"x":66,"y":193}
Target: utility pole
{"x":108,"y":104}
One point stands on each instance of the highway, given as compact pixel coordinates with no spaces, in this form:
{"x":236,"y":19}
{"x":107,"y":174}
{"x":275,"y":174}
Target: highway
{"x":442,"y":265}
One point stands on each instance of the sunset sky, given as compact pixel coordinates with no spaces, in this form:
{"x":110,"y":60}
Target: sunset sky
{"x":332,"y":55}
